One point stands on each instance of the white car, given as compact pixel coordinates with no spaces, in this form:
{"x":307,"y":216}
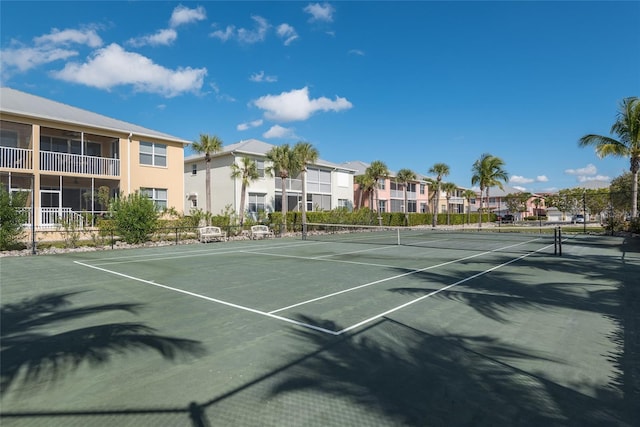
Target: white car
{"x":578,"y":219}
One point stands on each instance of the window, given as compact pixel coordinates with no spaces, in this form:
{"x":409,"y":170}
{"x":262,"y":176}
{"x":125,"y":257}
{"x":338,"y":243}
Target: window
{"x":344,"y":203}
{"x":260,"y":166}
{"x":411,"y":206}
{"x":256,"y":202}
{"x":423,"y":207}
{"x":153,"y":154}
{"x":422,"y":188}
{"x":158,"y":195}
{"x":194,"y":169}
{"x":194,"y":202}
{"x":381,"y":184}
{"x":382,"y":206}
{"x":318,"y":181}
{"x":397,"y":205}
{"x":8,"y":138}
{"x":411,"y":187}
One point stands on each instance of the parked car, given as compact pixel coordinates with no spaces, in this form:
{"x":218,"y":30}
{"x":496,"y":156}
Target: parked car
{"x":578,"y":219}
{"x":507,"y":219}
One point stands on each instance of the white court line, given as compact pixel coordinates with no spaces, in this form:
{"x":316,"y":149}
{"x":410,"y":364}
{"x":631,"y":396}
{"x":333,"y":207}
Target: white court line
{"x":400,"y":307}
{"x":193,"y":294}
{"x":320,"y":259}
{"x":414,"y":271}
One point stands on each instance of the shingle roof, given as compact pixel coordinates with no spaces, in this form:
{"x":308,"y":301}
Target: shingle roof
{"x":23,"y":104}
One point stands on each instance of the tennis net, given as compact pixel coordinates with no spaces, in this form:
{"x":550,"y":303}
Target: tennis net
{"x":469,"y":238}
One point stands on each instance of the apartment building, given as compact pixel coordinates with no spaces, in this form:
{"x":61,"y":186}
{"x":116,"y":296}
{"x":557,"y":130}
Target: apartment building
{"x":499,"y":203}
{"x":329,"y":185}
{"x":68,"y":159}
{"x":391,"y":192}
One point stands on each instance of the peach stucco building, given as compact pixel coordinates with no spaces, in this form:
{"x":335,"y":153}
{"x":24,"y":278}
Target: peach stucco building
{"x":70,"y":156}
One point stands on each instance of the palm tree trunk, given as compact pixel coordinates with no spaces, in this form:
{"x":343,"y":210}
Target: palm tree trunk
{"x":243,"y":193}
{"x":634,"y":194}
{"x":436,"y":197}
{"x":378,"y":205}
{"x":406,"y":210}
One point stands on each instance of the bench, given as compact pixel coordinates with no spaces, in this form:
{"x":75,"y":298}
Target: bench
{"x":260,"y":231}
{"x":209,"y":233}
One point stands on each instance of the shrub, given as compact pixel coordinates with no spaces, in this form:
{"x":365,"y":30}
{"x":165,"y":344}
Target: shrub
{"x":12,"y":218}
{"x":135,"y":217}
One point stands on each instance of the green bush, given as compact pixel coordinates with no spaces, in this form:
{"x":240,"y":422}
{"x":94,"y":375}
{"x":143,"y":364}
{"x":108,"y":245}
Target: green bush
{"x":12,"y":218}
{"x":135,"y":217}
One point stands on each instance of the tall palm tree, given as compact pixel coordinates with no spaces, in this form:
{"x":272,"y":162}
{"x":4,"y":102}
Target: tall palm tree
{"x":366,"y":185}
{"x":305,"y":153}
{"x":404,"y":177}
{"x":377,"y":170}
{"x":207,"y":145}
{"x":440,"y":170}
{"x":450,"y":188}
{"x":488,"y":171}
{"x":247,"y":172}
{"x":627,"y":128}
{"x":284,"y":164}
{"x":468,"y":195}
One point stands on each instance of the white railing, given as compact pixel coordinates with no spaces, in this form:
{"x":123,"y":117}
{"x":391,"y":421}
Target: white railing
{"x":292,"y":184}
{"x":53,"y":217}
{"x":16,"y":158}
{"x":75,"y":163}
{"x":457,"y":200}
{"x":399,"y":194}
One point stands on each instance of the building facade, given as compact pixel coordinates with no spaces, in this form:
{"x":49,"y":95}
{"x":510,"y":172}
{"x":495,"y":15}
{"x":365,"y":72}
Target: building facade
{"x":329,"y":185}
{"x":71,"y":161}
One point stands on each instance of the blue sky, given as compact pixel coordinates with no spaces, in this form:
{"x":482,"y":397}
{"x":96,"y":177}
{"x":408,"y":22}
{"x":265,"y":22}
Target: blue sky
{"x":408,"y":83}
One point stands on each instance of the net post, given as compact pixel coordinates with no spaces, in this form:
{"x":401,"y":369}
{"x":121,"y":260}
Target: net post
{"x":555,"y":240}
{"x":398,"y":231}
{"x":560,"y":241}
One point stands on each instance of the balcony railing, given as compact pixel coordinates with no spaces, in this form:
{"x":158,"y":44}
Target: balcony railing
{"x":16,"y":158}
{"x":51,"y":217}
{"x":75,"y":163}
{"x":399,"y":194}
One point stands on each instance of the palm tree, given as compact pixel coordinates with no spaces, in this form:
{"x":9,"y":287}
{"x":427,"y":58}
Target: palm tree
{"x":450,"y":188}
{"x":468,"y":195}
{"x":207,"y":145}
{"x":377,"y":170}
{"x":440,"y":170}
{"x":247,"y":173}
{"x":488,"y":172}
{"x":627,"y":127}
{"x":284,"y":164}
{"x":305,"y":153}
{"x":404,"y":177}
{"x":366,"y":184}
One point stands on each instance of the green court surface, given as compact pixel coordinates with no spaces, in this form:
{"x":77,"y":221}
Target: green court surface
{"x":491,"y":330}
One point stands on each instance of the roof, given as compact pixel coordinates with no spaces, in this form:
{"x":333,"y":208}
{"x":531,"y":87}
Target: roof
{"x":23,"y":104}
{"x":361,"y":167}
{"x":260,"y":148}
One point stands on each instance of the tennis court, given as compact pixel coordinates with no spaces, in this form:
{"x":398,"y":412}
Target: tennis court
{"x":369,"y":328}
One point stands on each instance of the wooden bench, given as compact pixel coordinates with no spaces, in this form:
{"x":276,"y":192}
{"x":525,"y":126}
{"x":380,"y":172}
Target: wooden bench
{"x":209,"y":233}
{"x":260,"y":232}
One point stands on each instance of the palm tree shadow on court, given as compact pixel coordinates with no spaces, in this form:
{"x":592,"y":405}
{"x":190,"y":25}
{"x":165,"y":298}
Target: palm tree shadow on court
{"x":31,"y":353}
{"x":411,"y":377}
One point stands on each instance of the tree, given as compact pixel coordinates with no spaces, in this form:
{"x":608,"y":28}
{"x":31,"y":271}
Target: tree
{"x":135,"y":216}
{"x":284,"y":164}
{"x":468,"y":195}
{"x":207,"y":145}
{"x":366,"y":185}
{"x":404,"y":177}
{"x":377,"y":170}
{"x":305,"y":153}
{"x":440,"y":170}
{"x":488,"y":172}
{"x":627,"y":128}
{"x":247,"y":172}
{"x":450,"y":188}
{"x":13,"y":216}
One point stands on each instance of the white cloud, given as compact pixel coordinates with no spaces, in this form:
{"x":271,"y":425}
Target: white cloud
{"x":25,"y":58}
{"x":320,"y":12}
{"x":296,"y":105}
{"x":593,"y":178}
{"x":113,"y":66}
{"x":244,"y":35}
{"x":87,"y":37}
{"x":519,"y":188}
{"x":260,"y":77}
{"x":357,"y":52}
{"x":162,"y":37}
{"x":287,"y":32}
{"x":542,"y":178}
{"x":520,"y":179}
{"x":249,"y":125}
{"x":590,"y":169}
{"x":183,"y":15}
{"x":278,"y":131}
{"x":221,"y":96}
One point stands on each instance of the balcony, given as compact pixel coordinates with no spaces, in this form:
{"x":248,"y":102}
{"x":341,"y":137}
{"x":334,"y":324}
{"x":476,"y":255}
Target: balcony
{"x":74,"y":163}
{"x":16,"y":158}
